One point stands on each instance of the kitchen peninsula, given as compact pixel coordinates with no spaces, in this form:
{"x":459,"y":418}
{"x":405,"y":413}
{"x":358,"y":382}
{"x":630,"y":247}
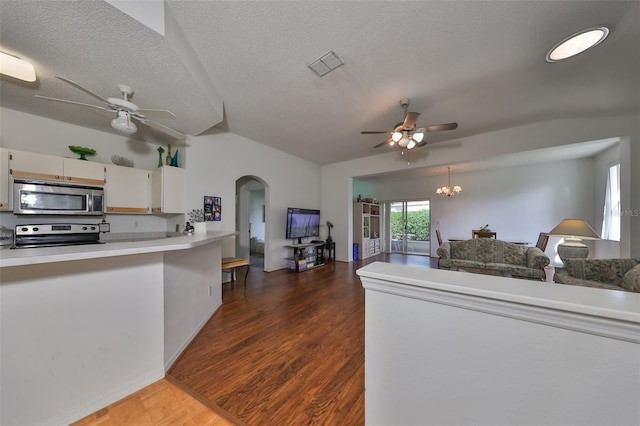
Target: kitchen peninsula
{"x":84,"y":326}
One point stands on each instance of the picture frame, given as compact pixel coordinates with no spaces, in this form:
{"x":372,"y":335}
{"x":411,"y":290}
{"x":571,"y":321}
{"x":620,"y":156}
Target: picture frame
{"x":212,"y":208}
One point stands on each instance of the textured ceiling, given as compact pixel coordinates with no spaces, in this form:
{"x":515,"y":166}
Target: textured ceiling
{"x":480,"y":63}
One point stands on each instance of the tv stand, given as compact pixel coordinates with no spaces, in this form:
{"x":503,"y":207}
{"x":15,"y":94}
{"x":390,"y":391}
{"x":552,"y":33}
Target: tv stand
{"x":303,"y":260}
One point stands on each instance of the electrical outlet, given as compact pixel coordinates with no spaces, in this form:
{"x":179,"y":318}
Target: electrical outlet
{"x":210,"y":290}
{"x":135,"y":224}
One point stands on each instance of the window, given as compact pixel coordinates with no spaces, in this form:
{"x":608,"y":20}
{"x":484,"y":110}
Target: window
{"x":611,"y":216}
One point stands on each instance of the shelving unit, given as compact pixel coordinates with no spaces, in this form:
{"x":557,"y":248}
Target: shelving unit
{"x":366,"y":229}
{"x":306,"y":256}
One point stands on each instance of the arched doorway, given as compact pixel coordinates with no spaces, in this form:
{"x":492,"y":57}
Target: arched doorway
{"x":252,"y":207}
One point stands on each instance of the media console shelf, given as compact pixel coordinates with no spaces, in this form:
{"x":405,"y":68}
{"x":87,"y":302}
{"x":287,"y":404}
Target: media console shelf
{"x":306,"y":256}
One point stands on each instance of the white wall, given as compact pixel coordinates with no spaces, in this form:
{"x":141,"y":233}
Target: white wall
{"x":256,"y":201}
{"x":517,"y":202}
{"x":214,"y":163}
{"x":337,"y":187}
{"x":192,"y":293}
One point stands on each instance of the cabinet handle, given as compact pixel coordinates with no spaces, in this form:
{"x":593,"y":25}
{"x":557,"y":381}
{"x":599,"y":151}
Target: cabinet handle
{"x":68,"y":178}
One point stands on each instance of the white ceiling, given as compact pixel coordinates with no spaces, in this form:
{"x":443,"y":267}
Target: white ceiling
{"x":479,"y":63}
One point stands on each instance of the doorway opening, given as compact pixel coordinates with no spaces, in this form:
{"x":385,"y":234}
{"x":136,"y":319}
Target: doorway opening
{"x":252,"y":206}
{"x":408,"y":227}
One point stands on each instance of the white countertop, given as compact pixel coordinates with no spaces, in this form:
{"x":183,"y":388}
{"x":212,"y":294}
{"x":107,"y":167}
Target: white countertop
{"x":32,"y":256}
{"x":620,"y":305}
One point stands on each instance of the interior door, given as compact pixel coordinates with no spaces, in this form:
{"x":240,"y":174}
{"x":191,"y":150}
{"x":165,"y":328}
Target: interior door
{"x":410,"y":227}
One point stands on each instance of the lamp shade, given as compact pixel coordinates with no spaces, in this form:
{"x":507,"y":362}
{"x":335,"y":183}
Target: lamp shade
{"x":576,"y":228}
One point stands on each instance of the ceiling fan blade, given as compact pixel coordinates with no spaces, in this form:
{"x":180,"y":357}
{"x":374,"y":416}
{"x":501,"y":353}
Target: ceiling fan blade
{"x":157,"y":114}
{"x":383,"y":143}
{"x":410,"y":120}
{"x":74,"y":103}
{"x":84,"y":89}
{"x":373,"y":132}
{"x":440,"y":127}
{"x":161,"y":127}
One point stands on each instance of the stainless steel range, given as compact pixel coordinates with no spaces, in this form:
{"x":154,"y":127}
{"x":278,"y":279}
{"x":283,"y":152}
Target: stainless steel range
{"x":58,"y":234}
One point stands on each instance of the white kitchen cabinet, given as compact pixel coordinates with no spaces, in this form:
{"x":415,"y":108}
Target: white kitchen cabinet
{"x":30,"y":165}
{"x":168,"y":187}
{"x":127,"y":190}
{"x":5,"y":204}
{"x":83,"y":172}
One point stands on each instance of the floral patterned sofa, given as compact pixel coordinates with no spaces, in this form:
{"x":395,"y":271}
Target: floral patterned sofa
{"x":494,"y":257}
{"x":612,"y":274}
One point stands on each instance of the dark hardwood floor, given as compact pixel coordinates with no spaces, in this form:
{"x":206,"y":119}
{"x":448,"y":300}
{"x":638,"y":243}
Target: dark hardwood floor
{"x":288,"y":350}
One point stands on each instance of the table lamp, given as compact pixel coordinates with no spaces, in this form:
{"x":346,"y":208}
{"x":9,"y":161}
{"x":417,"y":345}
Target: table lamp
{"x":573,"y":231}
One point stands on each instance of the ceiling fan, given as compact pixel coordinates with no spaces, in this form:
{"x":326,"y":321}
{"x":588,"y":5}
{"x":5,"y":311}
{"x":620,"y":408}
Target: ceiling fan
{"x":125,"y":111}
{"x":406,"y":134}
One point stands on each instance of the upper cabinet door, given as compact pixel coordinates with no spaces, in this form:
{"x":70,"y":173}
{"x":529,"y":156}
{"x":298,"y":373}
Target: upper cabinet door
{"x":83,"y":172}
{"x":127,"y":190}
{"x":29,"y":165}
{"x":168,"y":190}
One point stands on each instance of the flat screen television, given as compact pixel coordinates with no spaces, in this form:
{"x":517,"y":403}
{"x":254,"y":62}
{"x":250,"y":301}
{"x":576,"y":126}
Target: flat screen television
{"x":302,"y":223}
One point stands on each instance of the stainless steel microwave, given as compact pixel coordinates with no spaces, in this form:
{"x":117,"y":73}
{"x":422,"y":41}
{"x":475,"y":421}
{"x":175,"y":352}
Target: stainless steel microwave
{"x":45,"y":198}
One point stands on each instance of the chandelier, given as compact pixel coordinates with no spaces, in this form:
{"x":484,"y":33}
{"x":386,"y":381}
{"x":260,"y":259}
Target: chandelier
{"x":447,"y":191}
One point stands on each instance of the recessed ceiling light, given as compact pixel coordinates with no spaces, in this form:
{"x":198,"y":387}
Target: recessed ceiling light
{"x":577,"y":43}
{"x":17,"y":68}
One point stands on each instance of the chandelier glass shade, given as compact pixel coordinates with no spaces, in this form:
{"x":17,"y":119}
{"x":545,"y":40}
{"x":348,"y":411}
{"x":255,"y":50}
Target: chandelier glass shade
{"x":448,"y":191}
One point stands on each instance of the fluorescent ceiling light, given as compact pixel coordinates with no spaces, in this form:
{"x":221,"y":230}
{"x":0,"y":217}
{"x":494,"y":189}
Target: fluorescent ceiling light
{"x":16,"y":67}
{"x":577,"y":43}
{"x":326,"y":63}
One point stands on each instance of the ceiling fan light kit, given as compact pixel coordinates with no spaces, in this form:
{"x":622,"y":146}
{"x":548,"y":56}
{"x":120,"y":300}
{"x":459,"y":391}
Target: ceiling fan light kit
{"x":123,"y":124}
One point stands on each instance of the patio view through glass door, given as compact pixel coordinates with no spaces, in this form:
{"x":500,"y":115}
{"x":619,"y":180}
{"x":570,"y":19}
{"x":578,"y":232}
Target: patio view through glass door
{"x":409,"y":227}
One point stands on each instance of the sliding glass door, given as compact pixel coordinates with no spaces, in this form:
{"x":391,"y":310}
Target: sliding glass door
{"x":409,"y":227}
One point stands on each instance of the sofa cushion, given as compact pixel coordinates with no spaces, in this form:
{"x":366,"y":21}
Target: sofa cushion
{"x":514,"y":254}
{"x":601,"y":270}
{"x":517,"y":270}
{"x":460,"y":263}
{"x":536,"y":258}
{"x":461,"y":250}
{"x":443,"y":250}
{"x":631,"y":280}
{"x":561,"y":278}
